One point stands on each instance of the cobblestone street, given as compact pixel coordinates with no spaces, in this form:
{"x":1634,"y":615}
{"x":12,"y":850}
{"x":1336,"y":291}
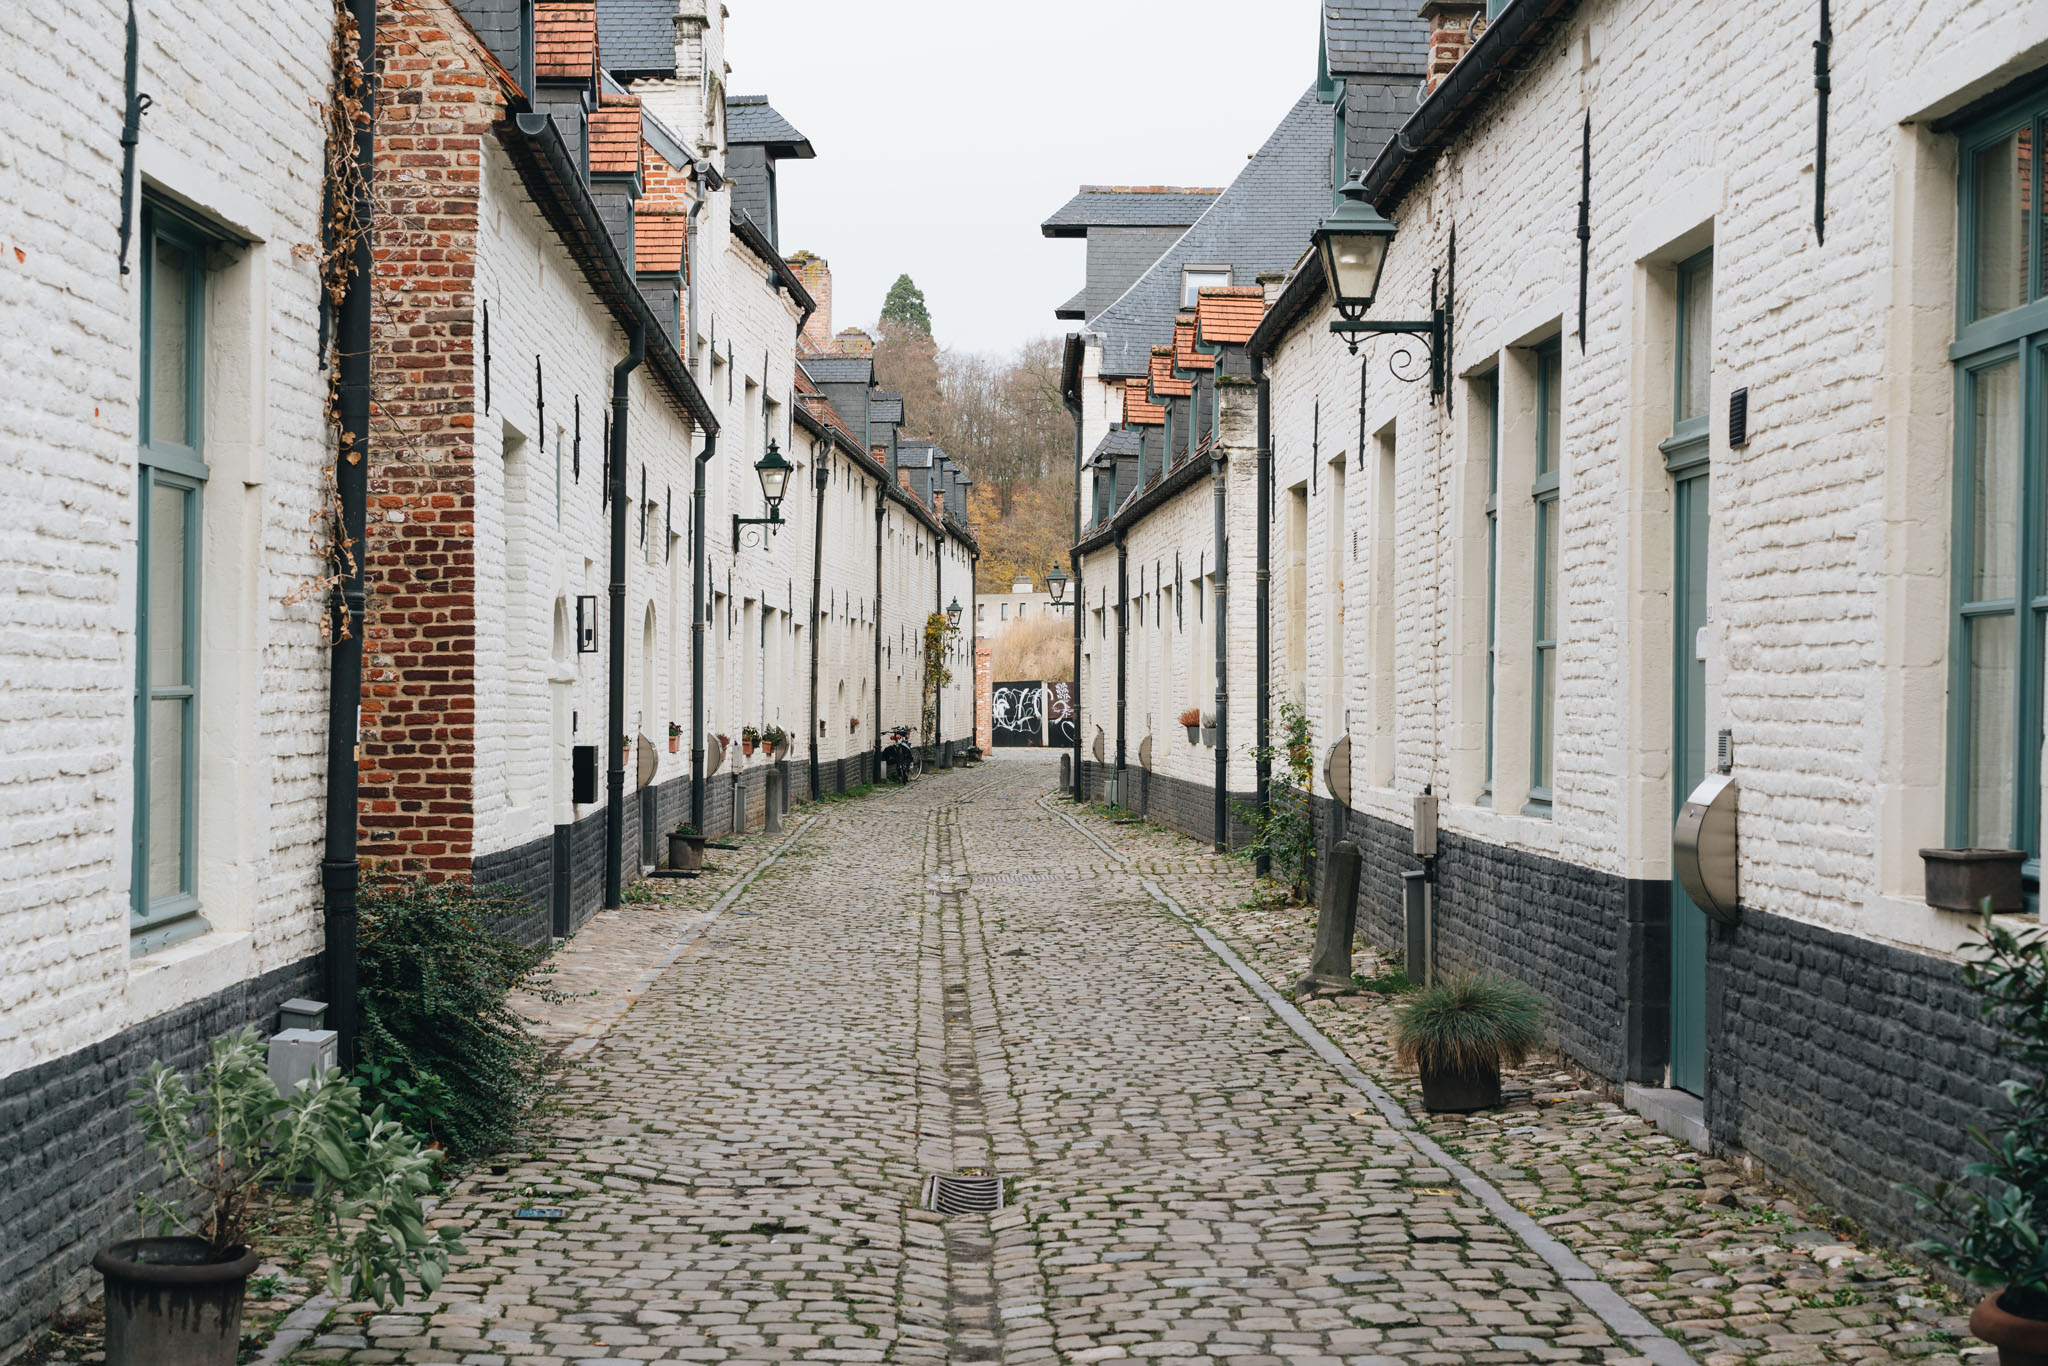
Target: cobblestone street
{"x":962,"y":978}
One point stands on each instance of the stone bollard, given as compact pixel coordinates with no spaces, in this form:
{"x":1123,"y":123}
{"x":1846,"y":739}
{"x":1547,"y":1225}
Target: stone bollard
{"x":946,"y":754}
{"x":774,"y":802}
{"x":739,"y":805}
{"x":1067,"y":774}
{"x":1329,"y":973}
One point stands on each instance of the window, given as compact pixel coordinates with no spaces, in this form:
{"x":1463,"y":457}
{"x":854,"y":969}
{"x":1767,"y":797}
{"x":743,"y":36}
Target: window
{"x":1488,"y":389}
{"x":1006,"y":611}
{"x":1021,"y":608}
{"x":1194,"y":279}
{"x":2000,"y":589}
{"x":164,"y":893}
{"x":1543,"y":677}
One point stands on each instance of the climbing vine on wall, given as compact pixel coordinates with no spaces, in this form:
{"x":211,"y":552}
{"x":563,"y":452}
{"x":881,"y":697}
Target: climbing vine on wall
{"x":938,"y":637}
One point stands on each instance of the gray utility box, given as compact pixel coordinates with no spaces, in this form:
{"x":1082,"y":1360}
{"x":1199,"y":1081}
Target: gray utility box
{"x":298,"y":1055}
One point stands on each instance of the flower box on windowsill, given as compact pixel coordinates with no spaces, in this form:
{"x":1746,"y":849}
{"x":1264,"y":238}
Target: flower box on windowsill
{"x":1963,"y":879}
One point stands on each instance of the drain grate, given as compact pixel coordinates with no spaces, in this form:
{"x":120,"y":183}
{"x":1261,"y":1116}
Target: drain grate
{"x":963,"y":1194}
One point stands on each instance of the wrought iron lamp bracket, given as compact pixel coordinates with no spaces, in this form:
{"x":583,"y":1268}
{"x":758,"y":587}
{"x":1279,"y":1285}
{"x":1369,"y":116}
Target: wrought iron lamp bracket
{"x":1433,"y":332}
{"x":741,"y":536}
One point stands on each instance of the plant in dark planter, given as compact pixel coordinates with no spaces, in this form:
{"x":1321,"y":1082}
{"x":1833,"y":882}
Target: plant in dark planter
{"x":1964,"y":879}
{"x":1459,"y":1034}
{"x":176,"y":1299}
{"x":686,"y":848}
{"x":2002,"y":1215}
{"x":1192,"y":720}
{"x":1209,"y":729}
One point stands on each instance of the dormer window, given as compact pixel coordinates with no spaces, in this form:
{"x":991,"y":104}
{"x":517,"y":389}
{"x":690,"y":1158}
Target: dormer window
{"x":1194,"y":279}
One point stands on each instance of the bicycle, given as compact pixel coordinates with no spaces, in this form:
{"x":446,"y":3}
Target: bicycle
{"x":900,"y":759}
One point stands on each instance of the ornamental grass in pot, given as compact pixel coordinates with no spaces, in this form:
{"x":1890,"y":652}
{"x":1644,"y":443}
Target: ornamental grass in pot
{"x":2001,"y":1215}
{"x":175,"y":1299}
{"x":1192,"y":720}
{"x":686,"y":848}
{"x":1459,"y":1034}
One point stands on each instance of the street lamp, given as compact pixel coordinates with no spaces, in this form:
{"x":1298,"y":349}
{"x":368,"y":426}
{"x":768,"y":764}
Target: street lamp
{"x":773,"y":472}
{"x":1056,"y":584}
{"x":953,"y":613}
{"x":1353,"y":243}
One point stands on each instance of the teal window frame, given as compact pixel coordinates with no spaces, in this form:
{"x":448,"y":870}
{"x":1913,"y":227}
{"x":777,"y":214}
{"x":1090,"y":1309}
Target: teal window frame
{"x":1543,"y":495}
{"x":178,"y":464}
{"x":2017,"y":337}
{"x":1489,"y":386}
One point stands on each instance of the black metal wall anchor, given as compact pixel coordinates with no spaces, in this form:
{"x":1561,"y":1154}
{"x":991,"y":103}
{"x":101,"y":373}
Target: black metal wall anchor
{"x":1585,"y":219}
{"x":137,"y":105}
{"x":576,"y":443}
{"x":540,"y":406}
{"x":487,"y":355}
{"x":1823,"y":48}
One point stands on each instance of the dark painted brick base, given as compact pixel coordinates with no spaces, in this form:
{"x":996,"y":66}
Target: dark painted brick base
{"x":1172,"y":802}
{"x":71,"y":1159}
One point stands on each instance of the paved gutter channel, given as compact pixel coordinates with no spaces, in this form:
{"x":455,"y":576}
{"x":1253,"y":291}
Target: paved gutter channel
{"x":1581,"y":1280}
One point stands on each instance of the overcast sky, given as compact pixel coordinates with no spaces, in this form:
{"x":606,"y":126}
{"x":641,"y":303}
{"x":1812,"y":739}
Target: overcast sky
{"x":947,"y":130}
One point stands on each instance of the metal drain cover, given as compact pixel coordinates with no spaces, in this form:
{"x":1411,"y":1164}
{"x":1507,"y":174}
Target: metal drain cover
{"x":950,"y":884}
{"x":963,"y":1194}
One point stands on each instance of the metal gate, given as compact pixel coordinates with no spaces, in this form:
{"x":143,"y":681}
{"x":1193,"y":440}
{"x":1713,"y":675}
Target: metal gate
{"x":1017,"y":714}
{"x":1060,"y":717}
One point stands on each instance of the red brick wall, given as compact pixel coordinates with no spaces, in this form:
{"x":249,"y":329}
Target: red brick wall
{"x":438,"y":101}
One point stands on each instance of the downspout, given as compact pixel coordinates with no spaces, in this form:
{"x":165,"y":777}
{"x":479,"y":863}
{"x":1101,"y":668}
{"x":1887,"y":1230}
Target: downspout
{"x":881,"y":502}
{"x":1073,"y":405}
{"x":690,"y":324}
{"x":338,"y":863}
{"x":817,"y":579}
{"x":615,"y":788}
{"x":699,"y":616}
{"x":1218,"y":605}
{"x":1263,"y":579}
{"x":1123,"y":641}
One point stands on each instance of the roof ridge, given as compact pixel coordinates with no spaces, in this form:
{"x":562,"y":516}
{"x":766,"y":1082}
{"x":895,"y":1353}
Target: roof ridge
{"x":1151,"y":189}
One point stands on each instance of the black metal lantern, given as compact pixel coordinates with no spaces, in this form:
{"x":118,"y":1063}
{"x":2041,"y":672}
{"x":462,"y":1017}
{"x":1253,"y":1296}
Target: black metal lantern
{"x":953,"y":612}
{"x":1056,"y":584}
{"x":1353,"y":242}
{"x":773,"y":471}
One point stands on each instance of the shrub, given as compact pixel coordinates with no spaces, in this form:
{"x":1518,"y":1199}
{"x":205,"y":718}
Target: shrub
{"x":1281,"y":833}
{"x":1468,"y":1026}
{"x":440,"y":1041}
{"x":2003,"y":1222}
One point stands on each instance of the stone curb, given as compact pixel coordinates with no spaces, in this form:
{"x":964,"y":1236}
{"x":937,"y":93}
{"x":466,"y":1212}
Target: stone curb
{"x":1603,"y":1299}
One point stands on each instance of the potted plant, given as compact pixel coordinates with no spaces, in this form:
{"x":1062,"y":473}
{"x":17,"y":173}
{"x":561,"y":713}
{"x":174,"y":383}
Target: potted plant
{"x":1192,"y":719}
{"x":2002,"y":1214}
{"x":1459,"y":1034}
{"x":675,"y":737}
{"x":852,"y":724}
{"x":1209,"y":729}
{"x":686,"y":848}
{"x":176,"y":1299}
{"x":750,"y":736}
{"x":774,"y":738}
{"x":1964,"y":879}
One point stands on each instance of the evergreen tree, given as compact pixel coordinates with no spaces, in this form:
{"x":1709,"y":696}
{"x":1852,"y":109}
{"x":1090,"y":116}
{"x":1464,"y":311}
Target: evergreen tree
{"x":905,"y":304}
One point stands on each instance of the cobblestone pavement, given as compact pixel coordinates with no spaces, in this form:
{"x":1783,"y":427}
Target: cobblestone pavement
{"x":962,"y":979}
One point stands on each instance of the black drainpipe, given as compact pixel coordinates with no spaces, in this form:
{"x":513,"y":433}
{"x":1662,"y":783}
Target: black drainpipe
{"x":881,"y":502}
{"x":615,"y":789}
{"x":1263,"y":578}
{"x":1219,"y":600}
{"x":818,"y":476}
{"x":338,"y":864}
{"x":1123,"y":640}
{"x":700,"y":608}
{"x":1073,"y":405}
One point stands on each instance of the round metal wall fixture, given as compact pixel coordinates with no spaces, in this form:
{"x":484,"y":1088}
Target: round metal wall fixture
{"x":1703,"y":848}
{"x":1337,"y":771}
{"x":1145,"y":754}
{"x":1098,"y":744}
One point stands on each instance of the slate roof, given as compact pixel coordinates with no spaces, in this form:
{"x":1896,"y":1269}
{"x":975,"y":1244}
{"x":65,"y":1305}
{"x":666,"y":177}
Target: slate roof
{"x":839,"y":369}
{"x":565,"y":41}
{"x":1119,"y":441}
{"x":638,"y":36}
{"x":751,"y":119}
{"x":1382,"y":36}
{"x":884,"y":407}
{"x":1226,"y":314}
{"x":915,"y":454}
{"x":1074,"y":309}
{"x":1259,"y":225}
{"x":1130,"y":206}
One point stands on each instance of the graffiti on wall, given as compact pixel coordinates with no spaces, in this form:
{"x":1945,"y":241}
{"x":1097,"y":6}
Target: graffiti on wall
{"x":1059,"y":715}
{"x":1017,"y":713}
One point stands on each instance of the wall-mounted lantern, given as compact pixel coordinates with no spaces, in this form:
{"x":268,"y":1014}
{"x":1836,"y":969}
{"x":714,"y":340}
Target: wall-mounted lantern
{"x":1353,"y":242}
{"x":953,"y":613}
{"x":773,"y":472}
{"x":1056,"y":584}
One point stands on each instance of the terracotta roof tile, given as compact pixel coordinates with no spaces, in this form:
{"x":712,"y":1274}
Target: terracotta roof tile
{"x":615,"y":140}
{"x":565,"y":40}
{"x":658,"y":238}
{"x":1185,"y":357}
{"x":1164,"y":385}
{"x":1228,"y":314}
{"x":1139,"y":410}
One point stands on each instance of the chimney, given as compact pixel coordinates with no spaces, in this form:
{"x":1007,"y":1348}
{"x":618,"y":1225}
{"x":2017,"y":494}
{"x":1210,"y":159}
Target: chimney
{"x":1453,"y":25}
{"x":816,"y":274}
{"x":854,"y":342}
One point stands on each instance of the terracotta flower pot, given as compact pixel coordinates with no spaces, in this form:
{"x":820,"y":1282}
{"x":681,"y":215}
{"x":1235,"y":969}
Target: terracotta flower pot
{"x":747,"y":747}
{"x":170,"y":1304}
{"x":2020,"y":1341}
{"x":675,"y":744}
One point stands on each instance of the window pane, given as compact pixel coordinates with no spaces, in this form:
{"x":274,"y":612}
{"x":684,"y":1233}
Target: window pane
{"x":170,"y":358}
{"x":167,"y":595}
{"x":166,"y":798}
{"x":1991,"y":732}
{"x":1546,"y":742}
{"x":1995,"y":451}
{"x":1549,"y":365}
{"x":2003,"y":194}
{"x":1546,"y":617}
{"x":1696,"y":339}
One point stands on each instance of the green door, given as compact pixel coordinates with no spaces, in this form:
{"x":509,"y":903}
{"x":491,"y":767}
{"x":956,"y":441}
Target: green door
{"x":1688,"y":767}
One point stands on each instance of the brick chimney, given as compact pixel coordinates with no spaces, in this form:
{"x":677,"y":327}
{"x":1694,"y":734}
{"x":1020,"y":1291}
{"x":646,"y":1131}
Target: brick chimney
{"x":816,"y":275}
{"x":853,"y":342}
{"x":1453,"y":25}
